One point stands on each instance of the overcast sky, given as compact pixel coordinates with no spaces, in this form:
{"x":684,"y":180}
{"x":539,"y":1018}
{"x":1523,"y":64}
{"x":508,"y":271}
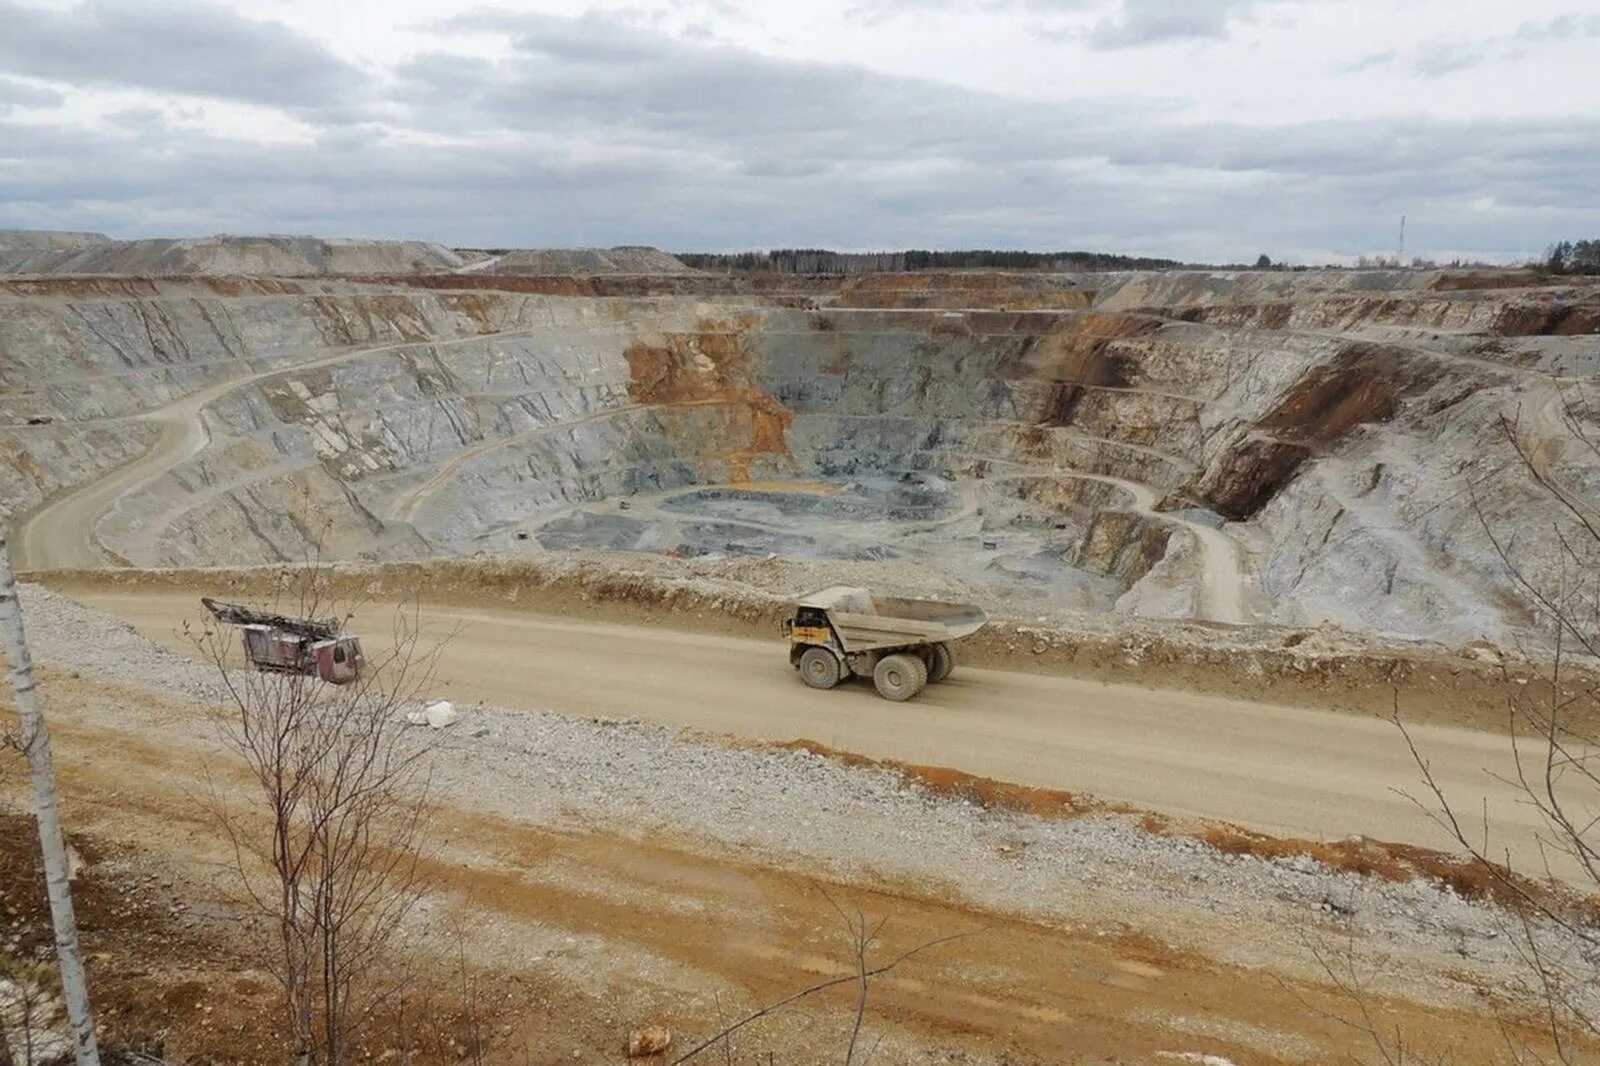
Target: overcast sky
{"x":1199,"y":129}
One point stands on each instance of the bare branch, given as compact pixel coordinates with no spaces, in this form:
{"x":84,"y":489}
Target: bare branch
{"x":811,"y":990}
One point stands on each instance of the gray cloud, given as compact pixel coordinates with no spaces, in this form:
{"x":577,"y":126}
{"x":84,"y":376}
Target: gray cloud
{"x":1147,"y":22}
{"x":1452,"y":57}
{"x":1446,"y":56}
{"x":181,"y":46}
{"x":1099,"y":24}
{"x":591,"y":131}
{"x":14,"y":93}
{"x":619,"y":86}
{"x":1561,"y":28}
{"x":1371,"y":61}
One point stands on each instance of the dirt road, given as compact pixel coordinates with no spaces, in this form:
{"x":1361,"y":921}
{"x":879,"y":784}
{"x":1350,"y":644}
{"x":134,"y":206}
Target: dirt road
{"x":1223,"y":585}
{"x":1281,"y":770}
{"x":61,"y":533}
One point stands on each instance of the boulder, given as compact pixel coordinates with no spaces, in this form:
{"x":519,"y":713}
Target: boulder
{"x":651,"y":1040}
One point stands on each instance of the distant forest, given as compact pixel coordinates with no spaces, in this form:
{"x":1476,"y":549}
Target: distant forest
{"x":1573,"y":257}
{"x":823,"y":261}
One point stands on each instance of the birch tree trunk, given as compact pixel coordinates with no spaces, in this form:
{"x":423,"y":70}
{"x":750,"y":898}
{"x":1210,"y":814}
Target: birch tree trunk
{"x":47,"y":811}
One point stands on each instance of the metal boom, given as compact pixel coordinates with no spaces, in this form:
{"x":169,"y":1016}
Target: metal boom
{"x":239,"y":615}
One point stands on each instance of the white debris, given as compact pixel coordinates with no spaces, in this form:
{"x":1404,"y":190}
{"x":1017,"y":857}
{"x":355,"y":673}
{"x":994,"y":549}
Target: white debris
{"x":435,"y":715}
{"x":33,"y":1023}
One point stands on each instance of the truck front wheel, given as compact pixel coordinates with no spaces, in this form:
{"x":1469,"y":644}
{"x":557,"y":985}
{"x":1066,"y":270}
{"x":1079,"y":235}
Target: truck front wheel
{"x":899,"y":677}
{"x":819,"y":668}
{"x":940,"y":662}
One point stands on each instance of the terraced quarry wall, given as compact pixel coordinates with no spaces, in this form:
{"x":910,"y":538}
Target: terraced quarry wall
{"x":1289,"y":448}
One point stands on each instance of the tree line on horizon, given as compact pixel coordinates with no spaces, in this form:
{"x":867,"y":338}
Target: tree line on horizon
{"x":826,"y":261}
{"x":1573,"y":257}
{"x":1566,"y":257}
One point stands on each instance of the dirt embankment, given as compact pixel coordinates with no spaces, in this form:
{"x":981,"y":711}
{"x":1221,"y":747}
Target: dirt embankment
{"x":998,"y":289}
{"x":586,"y":931}
{"x":1323,"y":669}
{"x":1388,"y":860}
{"x":179,"y":976}
{"x":162,"y":985}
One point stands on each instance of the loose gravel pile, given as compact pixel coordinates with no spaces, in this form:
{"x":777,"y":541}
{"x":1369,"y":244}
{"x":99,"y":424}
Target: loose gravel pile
{"x":806,"y":812}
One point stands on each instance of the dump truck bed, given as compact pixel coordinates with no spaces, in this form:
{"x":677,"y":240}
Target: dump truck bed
{"x":864,"y":622}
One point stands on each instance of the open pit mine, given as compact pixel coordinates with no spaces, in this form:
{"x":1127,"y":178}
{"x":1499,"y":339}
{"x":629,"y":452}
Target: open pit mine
{"x":1222,"y":523}
{"x":1292,"y":448}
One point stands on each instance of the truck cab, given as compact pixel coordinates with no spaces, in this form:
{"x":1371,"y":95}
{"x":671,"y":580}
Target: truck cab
{"x":339,"y":662}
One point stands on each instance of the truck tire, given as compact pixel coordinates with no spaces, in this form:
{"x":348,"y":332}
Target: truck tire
{"x":899,"y":677}
{"x":819,"y":667}
{"x":940,"y":662}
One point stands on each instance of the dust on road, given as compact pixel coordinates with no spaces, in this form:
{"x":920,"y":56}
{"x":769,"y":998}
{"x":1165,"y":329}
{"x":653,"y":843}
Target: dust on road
{"x":1280,"y":770}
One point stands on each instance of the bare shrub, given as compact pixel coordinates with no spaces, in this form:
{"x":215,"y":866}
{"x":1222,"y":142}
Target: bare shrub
{"x":1552,"y":926}
{"x":328,"y":840}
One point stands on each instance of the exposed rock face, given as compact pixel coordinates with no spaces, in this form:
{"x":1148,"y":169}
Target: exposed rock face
{"x":1343,"y":431}
{"x":43,"y":460}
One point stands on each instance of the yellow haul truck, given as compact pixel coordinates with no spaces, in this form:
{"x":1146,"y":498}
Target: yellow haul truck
{"x":840,"y":631}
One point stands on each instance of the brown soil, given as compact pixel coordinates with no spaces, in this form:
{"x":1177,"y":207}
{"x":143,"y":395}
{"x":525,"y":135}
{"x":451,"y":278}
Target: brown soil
{"x":1548,"y":319}
{"x":163,"y":985}
{"x":1470,"y":878}
{"x":177,"y":964}
{"x":1471,"y":280}
{"x":962,"y":289}
{"x":669,"y":932}
{"x":983,"y":791}
{"x":1078,"y":353}
{"x":1362,"y":383}
{"x":1073,"y":351}
{"x":1245,"y":478}
{"x":123,"y":288}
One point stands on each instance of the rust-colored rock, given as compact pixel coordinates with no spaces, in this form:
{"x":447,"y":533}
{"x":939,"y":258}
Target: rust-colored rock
{"x":1362,"y":383}
{"x":651,"y":1040}
{"x":1242,"y":480}
{"x":706,"y":367}
{"x":1548,"y":319}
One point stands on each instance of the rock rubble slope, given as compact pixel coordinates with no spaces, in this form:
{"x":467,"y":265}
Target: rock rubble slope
{"x":1273,"y":447}
{"x":45,"y":252}
{"x":621,"y":260}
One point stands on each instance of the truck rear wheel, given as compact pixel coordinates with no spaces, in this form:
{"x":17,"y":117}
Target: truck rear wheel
{"x":899,"y":677}
{"x":819,"y":667}
{"x":940,"y":662}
